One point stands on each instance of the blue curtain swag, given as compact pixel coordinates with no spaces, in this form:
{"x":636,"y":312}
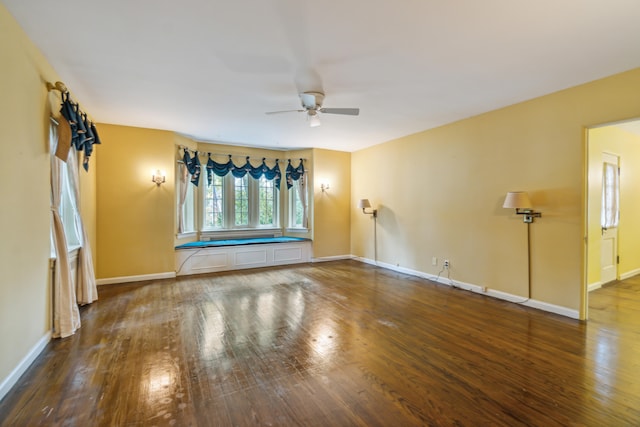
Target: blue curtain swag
{"x":256,"y":172}
{"x":84,"y":134}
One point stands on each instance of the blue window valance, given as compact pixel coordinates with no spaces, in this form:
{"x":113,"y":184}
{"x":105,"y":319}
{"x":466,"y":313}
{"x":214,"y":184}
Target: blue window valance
{"x":256,"y":172}
{"x":193,"y":166}
{"x":294,"y":174}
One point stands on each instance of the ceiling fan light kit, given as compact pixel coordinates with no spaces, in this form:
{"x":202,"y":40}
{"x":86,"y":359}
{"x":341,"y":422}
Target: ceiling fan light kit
{"x":312,"y":104}
{"x":314,"y":118}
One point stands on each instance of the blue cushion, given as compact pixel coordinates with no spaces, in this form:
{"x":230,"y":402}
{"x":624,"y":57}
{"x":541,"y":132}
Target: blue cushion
{"x":237,"y":242}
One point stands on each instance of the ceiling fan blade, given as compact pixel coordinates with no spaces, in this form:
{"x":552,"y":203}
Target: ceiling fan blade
{"x":345,"y":111}
{"x":285,"y":111}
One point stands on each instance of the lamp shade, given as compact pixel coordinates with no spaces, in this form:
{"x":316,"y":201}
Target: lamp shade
{"x":364,"y":203}
{"x":517,"y":200}
{"x":314,"y":118}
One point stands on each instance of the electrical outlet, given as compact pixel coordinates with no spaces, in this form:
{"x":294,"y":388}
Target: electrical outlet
{"x":446,"y":263}
{"x":434,"y":261}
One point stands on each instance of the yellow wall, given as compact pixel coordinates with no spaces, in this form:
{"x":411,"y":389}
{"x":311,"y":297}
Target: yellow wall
{"x":626,"y":145}
{"x":332,"y":208}
{"x":440,"y":192}
{"x":25,"y":296}
{"x":136,"y":218}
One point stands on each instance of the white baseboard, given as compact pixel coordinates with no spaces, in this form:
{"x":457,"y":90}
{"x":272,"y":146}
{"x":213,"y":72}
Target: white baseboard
{"x":630,"y":274}
{"x":594,"y":286}
{"x":139,"y":278}
{"x":367,"y":261}
{"x":540,"y":305}
{"x":623,"y":276}
{"x":332,"y":258}
{"x":24,"y":364}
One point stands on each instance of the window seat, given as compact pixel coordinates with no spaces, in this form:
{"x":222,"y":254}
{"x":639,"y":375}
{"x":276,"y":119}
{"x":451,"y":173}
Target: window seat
{"x":238,"y":242}
{"x":235,"y":254}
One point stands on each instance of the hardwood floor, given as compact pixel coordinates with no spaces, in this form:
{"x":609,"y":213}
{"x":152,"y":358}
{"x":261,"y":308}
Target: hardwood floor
{"x":333,"y":344}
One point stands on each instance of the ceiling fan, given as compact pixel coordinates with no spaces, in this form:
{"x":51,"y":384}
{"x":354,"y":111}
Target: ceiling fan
{"x":312,"y":106}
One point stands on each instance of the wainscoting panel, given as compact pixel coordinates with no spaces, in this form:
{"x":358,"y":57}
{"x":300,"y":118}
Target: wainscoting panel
{"x":209,"y":260}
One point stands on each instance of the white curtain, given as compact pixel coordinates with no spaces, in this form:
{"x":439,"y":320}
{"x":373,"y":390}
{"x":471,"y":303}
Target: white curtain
{"x":302,"y":195}
{"x":66,"y":316}
{"x":182,"y":195}
{"x":86,"y":288}
{"x":610,"y":196}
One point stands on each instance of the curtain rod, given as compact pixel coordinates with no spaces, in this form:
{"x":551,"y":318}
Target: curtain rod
{"x":59,"y":86}
{"x":236,"y":155}
{"x":62,"y":88}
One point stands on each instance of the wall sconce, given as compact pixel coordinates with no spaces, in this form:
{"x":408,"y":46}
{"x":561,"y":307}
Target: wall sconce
{"x":519,"y":200}
{"x":364,"y":204}
{"x":324,"y":186}
{"x":159,"y":177}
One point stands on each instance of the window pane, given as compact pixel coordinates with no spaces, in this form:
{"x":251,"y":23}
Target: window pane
{"x":296,"y":206}
{"x":241,"y":192}
{"x":213,"y":203}
{"x":245,"y":202}
{"x":266,"y":199}
{"x":67,"y":210}
{"x":609,"y":213}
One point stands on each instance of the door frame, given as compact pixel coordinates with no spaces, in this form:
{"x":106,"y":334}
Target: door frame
{"x":584,"y":291}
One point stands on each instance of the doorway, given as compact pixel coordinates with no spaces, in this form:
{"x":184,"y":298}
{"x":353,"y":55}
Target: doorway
{"x":613,"y":204}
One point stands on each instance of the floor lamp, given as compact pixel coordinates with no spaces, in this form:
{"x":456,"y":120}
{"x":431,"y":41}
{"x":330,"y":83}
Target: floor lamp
{"x":364,"y":205}
{"x":519,"y":200}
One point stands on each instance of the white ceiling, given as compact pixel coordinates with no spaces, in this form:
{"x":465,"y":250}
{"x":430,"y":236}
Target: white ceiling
{"x":210,"y":69}
{"x":632,"y":126}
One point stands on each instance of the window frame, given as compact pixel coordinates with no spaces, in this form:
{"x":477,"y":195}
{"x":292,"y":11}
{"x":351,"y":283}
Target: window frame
{"x":68,"y":208}
{"x":245,"y":186}
{"x":229,"y":206}
{"x":190,"y":208}
{"x":610,"y":205}
{"x":294,"y":203}
{"x":275,"y":201}
{"x":203,"y":206}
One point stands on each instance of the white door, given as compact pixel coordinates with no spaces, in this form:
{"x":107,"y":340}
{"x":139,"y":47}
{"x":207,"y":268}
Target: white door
{"x":609,"y":217}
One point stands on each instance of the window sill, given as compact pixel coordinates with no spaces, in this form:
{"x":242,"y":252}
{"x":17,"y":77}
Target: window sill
{"x":297,"y":230}
{"x":240,"y":233}
{"x":187,"y":235}
{"x":71,"y":251}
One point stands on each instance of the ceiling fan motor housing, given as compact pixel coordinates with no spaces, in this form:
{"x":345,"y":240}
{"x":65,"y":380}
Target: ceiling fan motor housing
{"x":312,"y":100}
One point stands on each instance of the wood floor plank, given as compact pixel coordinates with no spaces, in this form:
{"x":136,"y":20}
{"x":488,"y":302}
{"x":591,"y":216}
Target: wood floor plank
{"x":340,"y":343}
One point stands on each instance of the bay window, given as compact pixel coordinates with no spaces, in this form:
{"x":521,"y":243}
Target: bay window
{"x":244,"y":197}
{"x":239,"y":203}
